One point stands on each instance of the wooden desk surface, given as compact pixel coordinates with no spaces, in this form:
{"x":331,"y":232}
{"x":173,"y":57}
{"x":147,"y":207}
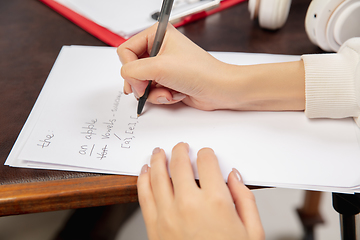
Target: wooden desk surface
{"x":31,"y":36}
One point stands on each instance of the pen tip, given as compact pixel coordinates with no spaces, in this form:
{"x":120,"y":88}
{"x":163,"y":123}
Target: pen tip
{"x":138,"y":115}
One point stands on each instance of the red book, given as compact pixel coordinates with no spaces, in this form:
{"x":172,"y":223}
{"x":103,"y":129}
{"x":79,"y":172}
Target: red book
{"x":115,"y":40}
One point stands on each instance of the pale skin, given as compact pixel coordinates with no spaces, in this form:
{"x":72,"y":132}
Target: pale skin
{"x":182,"y":71}
{"x":177,"y":208}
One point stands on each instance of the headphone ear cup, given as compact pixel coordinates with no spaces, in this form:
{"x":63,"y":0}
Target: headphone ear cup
{"x":316,"y":21}
{"x":343,"y":24}
{"x":273,"y":13}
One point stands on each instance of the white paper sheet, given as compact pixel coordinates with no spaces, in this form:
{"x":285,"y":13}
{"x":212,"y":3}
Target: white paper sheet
{"x":83,"y":122}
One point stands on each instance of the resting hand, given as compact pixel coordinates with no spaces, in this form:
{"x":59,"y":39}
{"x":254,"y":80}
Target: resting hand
{"x":181,"y":71}
{"x":178,"y":209}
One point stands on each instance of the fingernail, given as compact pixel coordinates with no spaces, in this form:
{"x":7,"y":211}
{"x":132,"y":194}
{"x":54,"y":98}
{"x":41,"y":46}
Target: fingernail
{"x":162,"y":100}
{"x":144,"y":169}
{"x":186,"y":145}
{"x":135,"y":92}
{"x":237,"y":174}
{"x":178,"y":96}
{"x":156,"y":150}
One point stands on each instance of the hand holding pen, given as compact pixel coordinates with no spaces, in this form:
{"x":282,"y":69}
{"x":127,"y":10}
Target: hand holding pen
{"x":182,"y":71}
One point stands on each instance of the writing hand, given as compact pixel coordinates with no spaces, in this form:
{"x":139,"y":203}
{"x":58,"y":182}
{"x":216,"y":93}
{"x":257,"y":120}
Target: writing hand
{"x":177,"y":208}
{"x":181,"y":71}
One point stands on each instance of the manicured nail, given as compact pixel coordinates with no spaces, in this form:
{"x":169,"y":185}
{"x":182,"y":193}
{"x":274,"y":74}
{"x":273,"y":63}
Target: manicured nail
{"x":178,"y":96}
{"x":135,"y":92}
{"x":162,"y":100}
{"x":237,"y":174}
{"x":186,"y":145}
{"x":144,"y":169}
{"x":156,"y":150}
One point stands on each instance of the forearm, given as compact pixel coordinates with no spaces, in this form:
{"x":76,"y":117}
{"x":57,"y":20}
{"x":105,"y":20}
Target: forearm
{"x":266,"y":87}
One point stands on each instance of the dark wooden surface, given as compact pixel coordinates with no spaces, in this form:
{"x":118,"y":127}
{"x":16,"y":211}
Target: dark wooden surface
{"x":31,"y":36}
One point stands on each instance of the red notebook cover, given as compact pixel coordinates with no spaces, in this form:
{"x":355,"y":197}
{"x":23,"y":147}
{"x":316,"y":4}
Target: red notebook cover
{"x":113,"y":39}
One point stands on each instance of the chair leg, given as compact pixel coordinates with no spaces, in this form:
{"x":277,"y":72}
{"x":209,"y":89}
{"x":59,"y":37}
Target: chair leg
{"x":348,"y":207}
{"x":309,"y":213}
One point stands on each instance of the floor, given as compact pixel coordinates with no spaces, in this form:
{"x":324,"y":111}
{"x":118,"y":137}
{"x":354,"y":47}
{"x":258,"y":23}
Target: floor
{"x":276,"y":206}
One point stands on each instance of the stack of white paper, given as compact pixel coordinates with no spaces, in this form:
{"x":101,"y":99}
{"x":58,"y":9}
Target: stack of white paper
{"x":82,"y":121}
{"x":127,"y":18}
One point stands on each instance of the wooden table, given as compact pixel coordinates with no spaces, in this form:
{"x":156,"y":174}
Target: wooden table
{"x":31,"y":36}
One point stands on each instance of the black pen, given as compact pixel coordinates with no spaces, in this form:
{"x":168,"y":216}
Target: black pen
{"x":159,"y":37}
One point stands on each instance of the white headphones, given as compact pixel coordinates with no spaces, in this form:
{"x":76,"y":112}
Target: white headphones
{"x":328,"y":23}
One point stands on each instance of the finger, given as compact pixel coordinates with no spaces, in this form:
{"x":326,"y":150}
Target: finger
{"x":162,"y":95}
{"x":138,"y":73}
{"x":146,"y":197}
{"x":245,"y":205}
{"x":137,"y":46}
{"x":136,"y":76}
{"x":182,"y":174}
{"x":127,"y":88}
{"x":160,"y":180}
{"x":210,"y":176}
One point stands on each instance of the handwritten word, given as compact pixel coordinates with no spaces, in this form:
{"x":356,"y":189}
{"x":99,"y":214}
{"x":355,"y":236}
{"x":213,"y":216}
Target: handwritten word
{"x":84,"y":148}
{"x":131,"y":126}
{"x":116,"y":102}
{"x":130,"y":130}
{"x":46,"y":142}
{"x":127,"y":142}
{"x":103,"y":153}
{"x":90,"y":129}
{"x":109,"y":126}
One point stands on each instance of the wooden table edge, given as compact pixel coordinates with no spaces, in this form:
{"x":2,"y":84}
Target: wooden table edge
{"x":64,"y":194}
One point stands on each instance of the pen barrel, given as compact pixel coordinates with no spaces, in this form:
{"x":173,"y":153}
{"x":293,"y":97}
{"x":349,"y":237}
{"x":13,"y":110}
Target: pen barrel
{"x":166,"y":8}
{"x":163,"y":21}
{"x":159,"y":37}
